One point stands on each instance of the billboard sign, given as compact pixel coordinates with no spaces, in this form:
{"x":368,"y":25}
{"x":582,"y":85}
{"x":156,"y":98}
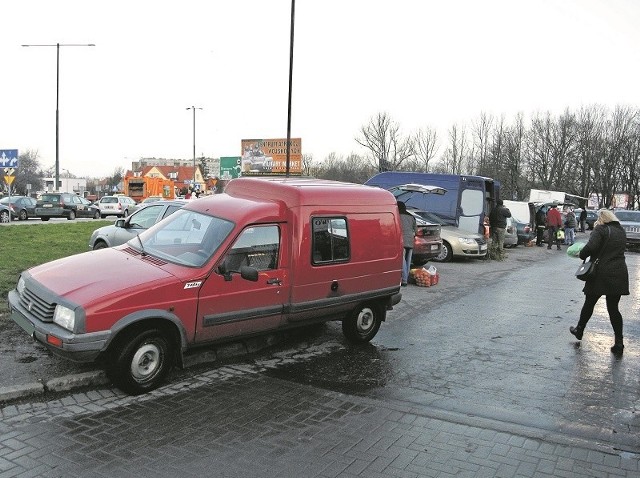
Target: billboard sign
{"x":269,"y":156}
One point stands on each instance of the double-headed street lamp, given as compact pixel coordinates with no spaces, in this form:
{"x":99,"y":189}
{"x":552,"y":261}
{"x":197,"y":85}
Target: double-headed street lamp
{"x":58,"y":45}
{"x":194,"y":108}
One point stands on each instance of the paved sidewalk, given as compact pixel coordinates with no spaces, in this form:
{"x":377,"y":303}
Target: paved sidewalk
{"x":237,"y":422}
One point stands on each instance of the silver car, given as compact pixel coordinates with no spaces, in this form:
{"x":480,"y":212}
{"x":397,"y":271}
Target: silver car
{"x":455,"y":243}
{"x":630,"y":221}
{"x":125,"y":229}
{"x":120,"y":206}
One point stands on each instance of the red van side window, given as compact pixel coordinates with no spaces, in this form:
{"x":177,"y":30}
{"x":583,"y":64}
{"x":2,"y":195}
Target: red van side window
{"x":330,"y":240}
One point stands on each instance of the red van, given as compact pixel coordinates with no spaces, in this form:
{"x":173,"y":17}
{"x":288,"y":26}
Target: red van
{"x":268,"y":254}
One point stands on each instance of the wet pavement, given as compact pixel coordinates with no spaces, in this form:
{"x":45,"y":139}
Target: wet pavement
{"x":476,"y":376}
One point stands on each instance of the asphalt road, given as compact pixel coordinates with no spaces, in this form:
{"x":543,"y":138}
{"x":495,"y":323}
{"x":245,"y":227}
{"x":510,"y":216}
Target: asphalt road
{"x":483,"y":356}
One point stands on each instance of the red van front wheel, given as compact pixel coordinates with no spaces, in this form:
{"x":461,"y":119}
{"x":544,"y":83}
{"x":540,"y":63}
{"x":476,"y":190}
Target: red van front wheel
{"x":363,"y":323}
{"x":141,"y":362}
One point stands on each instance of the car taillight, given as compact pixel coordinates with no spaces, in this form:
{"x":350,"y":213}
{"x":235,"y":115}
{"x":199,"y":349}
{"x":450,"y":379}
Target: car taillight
{"x":119,"y":206}
{"x":419,"y":232}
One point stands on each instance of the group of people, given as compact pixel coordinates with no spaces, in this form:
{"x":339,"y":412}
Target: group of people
{"x":607,"y":244}
{"x":552,"y":222}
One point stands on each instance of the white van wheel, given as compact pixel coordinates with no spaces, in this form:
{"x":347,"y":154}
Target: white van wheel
{"x":363,"y":323}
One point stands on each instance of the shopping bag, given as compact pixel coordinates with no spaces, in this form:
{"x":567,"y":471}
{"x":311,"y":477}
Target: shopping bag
{"x":574,"y":249}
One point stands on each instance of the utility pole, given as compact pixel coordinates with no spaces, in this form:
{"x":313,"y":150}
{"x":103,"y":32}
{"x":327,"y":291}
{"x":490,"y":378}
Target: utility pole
{"x":58,"y":45}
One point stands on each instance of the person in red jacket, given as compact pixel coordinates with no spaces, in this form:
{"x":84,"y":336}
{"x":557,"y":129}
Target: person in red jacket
{"x":554,"y":223}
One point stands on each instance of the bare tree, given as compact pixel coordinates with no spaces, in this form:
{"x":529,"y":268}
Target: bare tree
{"x":307,"y":162}
{"x":453,"y":160}
{"x":27,"y":173}
{"x":513,"y":162}
{"x":481,"y":130}
{"x":608,"y":173}
{"x":353,"y":168}
{"x":426,"y":147}
{"x":382,"y":137}
{"x":590,"y":123}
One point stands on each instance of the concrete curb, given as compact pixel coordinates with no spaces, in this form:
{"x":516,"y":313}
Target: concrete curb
{"x":96,"y":378}
{"x":58,"y":384}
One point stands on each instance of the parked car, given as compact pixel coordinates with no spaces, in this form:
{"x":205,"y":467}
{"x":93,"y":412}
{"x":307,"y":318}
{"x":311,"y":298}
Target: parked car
{"x":120,"y":206}
{"x":5,"y":213}
{"x":427,"y":243}
{"x":455,"y":242}
{"x":125,"y":229}
{"x":22,"y":207}
{"x":67,"y":205}
{"x":630,"y":221}
{"x":510,"y":234}
{"x":524,"y":231}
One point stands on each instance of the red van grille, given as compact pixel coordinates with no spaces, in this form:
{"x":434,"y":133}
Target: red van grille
{"x":38,"y":307}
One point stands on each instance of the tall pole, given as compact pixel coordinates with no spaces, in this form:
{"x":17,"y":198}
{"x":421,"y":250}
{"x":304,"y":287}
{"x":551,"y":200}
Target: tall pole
{"x":58,"y":45}
{"x":293,"y":14}
{"x":194,"y":144}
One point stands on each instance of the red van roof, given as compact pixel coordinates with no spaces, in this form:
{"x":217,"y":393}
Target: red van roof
{"x":307,"y":191}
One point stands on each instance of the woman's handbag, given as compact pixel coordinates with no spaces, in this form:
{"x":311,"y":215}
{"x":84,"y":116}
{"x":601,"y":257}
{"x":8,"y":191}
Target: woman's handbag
{"x":587,"y":270}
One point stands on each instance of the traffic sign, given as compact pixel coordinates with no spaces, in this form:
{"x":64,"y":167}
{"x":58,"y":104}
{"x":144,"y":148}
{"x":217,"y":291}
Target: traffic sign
{"x":9,"y":179}
{"x":8,"y":158}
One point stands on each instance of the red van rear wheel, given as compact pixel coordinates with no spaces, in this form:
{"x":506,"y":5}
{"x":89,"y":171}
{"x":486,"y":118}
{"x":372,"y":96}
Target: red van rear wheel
{"x":363,"y":323}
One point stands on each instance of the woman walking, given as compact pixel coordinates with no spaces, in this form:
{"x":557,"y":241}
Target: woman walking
{"x":607,"y":243}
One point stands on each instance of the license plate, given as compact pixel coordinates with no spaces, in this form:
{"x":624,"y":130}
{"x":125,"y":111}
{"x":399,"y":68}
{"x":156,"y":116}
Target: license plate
{"x":434,"y":247}
{"x":47,"y":205}
{"x":483,"y":247}
{"x":27,"y":326}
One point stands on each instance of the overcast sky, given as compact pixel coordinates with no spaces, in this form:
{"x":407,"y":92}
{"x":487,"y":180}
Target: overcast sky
{"x":428,"y":63}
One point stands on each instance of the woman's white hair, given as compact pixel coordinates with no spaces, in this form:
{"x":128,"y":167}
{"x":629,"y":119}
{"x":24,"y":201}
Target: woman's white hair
{"x":605,"y":216}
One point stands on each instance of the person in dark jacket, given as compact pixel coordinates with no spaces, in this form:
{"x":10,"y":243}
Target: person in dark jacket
{"x":570,"y":228}
{"x":541,"y":224}
{"x":408,"y":224}
{"x":606,"y":243}
{"x":583,"y":220}
{"x":497,"y":225}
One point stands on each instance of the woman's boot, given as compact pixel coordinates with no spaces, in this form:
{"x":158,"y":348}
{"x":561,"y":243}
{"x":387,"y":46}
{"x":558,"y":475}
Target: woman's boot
{"x":618,"y":346}
{"x":577,"y":331}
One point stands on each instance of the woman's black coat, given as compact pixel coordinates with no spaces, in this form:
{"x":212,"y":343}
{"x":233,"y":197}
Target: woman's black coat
{"x":612,"y":277}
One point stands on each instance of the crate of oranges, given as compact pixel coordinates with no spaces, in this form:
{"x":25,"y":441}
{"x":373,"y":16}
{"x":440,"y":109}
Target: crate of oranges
{"x":425,"y":277}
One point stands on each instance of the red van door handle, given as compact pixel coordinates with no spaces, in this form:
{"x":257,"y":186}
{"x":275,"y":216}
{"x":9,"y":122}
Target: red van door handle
{"x":274,"y":281}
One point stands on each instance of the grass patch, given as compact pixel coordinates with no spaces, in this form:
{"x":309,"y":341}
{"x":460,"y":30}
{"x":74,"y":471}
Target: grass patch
{"x":25,"y":246}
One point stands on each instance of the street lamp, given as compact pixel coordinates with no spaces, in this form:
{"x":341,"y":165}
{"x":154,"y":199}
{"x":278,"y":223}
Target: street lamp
{"x":58,"y":45}
{"x":194,"y":108}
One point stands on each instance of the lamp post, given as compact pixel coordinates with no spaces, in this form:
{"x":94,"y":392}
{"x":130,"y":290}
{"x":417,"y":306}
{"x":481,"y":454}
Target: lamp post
{"x":58,"y":45}
{"x":194,"y":108}
{"x":293,"y":15}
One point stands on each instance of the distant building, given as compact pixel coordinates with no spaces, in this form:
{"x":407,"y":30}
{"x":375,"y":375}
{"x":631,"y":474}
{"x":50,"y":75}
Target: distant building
{"x":67,"y":185}
{"x":182,"y":176}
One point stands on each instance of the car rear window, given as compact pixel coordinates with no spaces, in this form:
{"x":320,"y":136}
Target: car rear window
{"x":50,"y":197}
{"x":109,"y":199}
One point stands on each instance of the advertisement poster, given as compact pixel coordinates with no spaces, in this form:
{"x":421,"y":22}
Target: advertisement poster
{"x":269,"y":156}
